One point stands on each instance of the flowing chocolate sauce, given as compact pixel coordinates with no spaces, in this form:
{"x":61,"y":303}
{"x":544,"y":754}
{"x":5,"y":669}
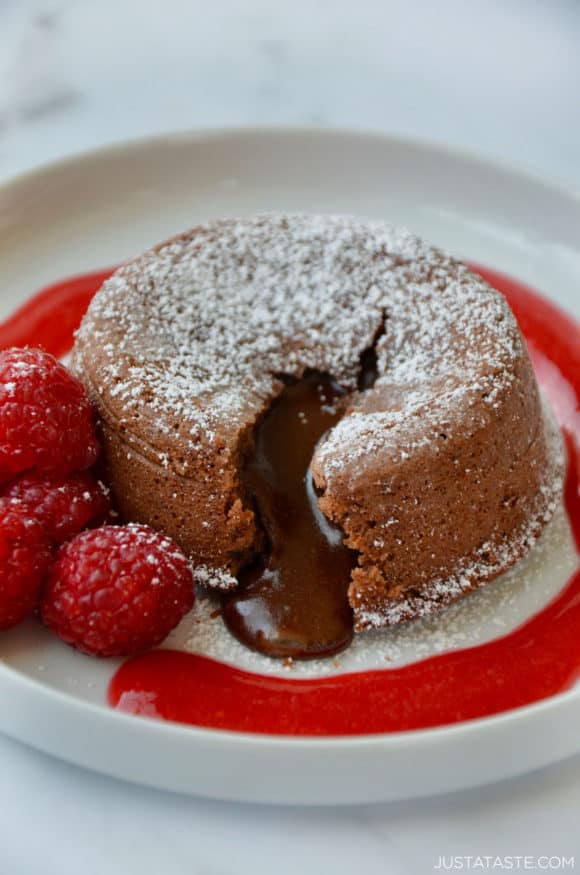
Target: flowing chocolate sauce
{"x":292,"y":602}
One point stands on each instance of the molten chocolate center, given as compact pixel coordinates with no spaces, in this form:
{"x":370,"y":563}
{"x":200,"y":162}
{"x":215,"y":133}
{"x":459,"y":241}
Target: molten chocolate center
{"x":292,"y":602}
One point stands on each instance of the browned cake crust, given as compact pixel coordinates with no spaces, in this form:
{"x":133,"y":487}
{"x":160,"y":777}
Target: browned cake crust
{"x":442,"y":475}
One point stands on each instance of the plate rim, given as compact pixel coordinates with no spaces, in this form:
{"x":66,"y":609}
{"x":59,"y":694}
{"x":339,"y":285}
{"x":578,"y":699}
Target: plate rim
{"x":222,"y":132}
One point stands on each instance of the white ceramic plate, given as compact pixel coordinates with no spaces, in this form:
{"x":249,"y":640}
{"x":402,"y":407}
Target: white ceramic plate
{"x":99,"y":209}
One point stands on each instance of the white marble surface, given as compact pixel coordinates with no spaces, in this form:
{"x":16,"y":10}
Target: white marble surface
{"x":501,"y":77}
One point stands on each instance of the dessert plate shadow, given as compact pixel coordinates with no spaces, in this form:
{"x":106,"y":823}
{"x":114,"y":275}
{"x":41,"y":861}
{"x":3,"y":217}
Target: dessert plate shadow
{"x":101,"y":208}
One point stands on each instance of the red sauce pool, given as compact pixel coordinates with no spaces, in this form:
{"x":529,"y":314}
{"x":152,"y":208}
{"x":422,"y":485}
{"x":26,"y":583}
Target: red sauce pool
{"x":49,"y":319}
{"x":537,"y":660}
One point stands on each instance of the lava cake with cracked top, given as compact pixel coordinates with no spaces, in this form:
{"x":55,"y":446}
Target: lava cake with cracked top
{"x":336,"y":421}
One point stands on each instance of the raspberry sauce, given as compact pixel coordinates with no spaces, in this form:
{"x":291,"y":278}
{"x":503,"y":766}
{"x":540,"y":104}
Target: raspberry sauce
{"x":49,"y":319}
{"x":537,"y":660}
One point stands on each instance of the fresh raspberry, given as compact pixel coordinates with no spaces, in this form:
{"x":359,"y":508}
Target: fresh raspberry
{"x":117,"y":590}
{"x":25,"y":556}
{"x":64,"y":505}
{"x":46,"y":420}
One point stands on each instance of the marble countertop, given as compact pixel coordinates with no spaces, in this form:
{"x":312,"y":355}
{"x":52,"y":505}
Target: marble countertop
{"x":500,"y":77}
{"x":496,"y":76}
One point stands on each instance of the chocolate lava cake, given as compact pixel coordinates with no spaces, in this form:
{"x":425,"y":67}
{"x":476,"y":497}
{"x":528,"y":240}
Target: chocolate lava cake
{"x":433,"y":462}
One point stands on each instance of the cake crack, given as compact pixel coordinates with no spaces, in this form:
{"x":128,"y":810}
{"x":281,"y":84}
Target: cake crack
{"x":368,"y":370}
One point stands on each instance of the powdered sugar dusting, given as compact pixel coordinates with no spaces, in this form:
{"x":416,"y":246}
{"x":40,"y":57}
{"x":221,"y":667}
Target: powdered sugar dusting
{"x":195,"y":331}
{"x":216,"y":578}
